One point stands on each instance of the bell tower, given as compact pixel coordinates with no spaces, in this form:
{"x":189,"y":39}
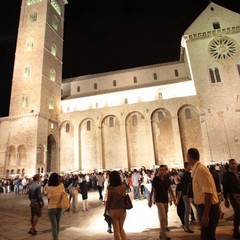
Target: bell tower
{"x":38,"y":60}
{"x":36,"y":84}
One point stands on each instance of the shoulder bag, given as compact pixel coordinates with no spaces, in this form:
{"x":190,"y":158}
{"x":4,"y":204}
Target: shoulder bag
{"x":127,"y":202}
{"x":64,"y":201}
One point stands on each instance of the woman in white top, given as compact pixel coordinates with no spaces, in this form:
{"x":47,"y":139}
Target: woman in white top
{"x":54,"y":191}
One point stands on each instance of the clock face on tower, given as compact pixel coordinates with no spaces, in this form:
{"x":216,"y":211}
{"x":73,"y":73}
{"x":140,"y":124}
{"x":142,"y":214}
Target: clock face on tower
{"x":222,"y":47}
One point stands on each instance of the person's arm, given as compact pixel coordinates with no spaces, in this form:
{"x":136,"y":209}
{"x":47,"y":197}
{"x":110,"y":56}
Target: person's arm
{"x":206,"y":210}
{"x":225,"y":190}
{"x":172,"y":194}
{"x":178,"y":196}
{"x":107,"y":203}
{"x":150,"y":197}
{"x":40,"y":196}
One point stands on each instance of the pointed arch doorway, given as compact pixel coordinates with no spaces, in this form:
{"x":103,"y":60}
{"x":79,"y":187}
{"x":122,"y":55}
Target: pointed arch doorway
{"x":51,"y":154}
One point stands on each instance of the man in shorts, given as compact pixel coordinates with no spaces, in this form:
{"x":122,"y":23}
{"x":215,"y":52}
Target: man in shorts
{"x":37,"y":203}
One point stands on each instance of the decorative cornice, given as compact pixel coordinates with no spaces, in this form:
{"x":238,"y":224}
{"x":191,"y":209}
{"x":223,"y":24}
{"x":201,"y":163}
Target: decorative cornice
{"x":212,"y":33}
{"x":29,"y":115}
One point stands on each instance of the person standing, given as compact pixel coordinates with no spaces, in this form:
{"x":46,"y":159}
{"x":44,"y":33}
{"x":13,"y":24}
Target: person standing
{"x":136,"y":184}
{"x":231,"y":192}
{"x":204,"y":195}
{"x":84,"y":192}
{"x":186,"y":182}
{"x":100,"y":181}
{"x":105,"y":194}
{"x":54,"y":191}
{"x":179,"y":199}
{"x":161,"y":186}
{"x":37,"y":203}
{"x":115,"y":204}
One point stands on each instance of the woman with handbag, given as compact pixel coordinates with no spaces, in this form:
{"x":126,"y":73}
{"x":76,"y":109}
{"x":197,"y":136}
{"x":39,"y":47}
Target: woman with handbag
{"x":115,"y":204}
{"x":55,"y":191}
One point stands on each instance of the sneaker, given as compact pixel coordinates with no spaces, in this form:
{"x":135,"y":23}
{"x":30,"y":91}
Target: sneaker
{"x":188,"y":230}
{"x":109,"y":231}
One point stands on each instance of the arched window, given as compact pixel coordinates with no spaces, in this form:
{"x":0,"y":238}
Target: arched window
{"x":161,"y":116}
{"x":217,"y":74}
{"x":55,"y":22}
{"x":114,"y":83}
{"x":188,"y":114}
{"x":52,"y":75}
{"x":88,"y":125}
{"x":95,"y":86}
{"x":54,"y":50}
{"x":135,"y":79}
{"x":155,"y":76}
{"x":111,"y":122}
{"x":24,"y":101}
{"x":29,"y":44}
{"x":214,"y":75}
{"x":238,"y":68}
{"x":27,"y":72}
{"x":134,"y":120}
{"x":78,"y":89}
{"x":33,"y":17}
{"x":160,"y":96}
{"x":67,"y":127}
{"x":176,"y":73}
{"x":51,"y":104}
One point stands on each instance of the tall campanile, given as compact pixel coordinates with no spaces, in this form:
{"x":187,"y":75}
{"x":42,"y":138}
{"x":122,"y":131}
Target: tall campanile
{"x":36,"y":86}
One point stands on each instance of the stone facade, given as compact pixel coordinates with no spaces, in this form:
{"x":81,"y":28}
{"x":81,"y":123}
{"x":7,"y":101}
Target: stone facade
{"x":124,"y":119}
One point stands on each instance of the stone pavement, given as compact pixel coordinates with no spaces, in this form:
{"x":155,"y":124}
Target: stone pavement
{"x":141,"y":222}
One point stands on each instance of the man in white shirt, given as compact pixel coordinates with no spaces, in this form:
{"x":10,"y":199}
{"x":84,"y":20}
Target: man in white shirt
{"x":204,"y":195}
{"x":100,"y":181}
{"x":136,"y":184}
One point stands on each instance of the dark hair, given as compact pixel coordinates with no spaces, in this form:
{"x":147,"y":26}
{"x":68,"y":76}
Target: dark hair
{"x":36,"y":177}
{"x":53,"y":180}
{"x":163,"y":166}
{"x":114,"y":178}
{"x":193,"y":153}
{"x":231,"y":160}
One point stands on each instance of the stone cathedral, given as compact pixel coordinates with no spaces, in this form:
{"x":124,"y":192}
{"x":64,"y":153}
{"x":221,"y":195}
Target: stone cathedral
{"x":125,"y":119}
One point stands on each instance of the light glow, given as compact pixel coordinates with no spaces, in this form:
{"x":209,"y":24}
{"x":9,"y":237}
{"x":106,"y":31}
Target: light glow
{"x":169,"y":91}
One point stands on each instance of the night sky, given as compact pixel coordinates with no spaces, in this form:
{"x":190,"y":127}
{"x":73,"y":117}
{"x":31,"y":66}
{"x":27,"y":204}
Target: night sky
{"x":107,"y":35}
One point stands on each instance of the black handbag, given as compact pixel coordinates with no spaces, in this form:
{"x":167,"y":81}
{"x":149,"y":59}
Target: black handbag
{"x":128,"y":202}
{"x":107,"y":218}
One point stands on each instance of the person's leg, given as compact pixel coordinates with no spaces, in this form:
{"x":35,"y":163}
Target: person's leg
{"x":181,"y":211}
{"x":236,"y":214}
{"x":115,"y":223}
{"x":75,"y":202}
{"x":122,"y":217}
{"x":209,"y":232}
{"x":134,"y":192}
{"x":138,"y":192}
{"x":162,"y":218}
{"x":53,"y":220}
{"x":147,"y":193}
{"x":187,"y":210}
{"x":36,"y":213}
{"x":58,"y":218}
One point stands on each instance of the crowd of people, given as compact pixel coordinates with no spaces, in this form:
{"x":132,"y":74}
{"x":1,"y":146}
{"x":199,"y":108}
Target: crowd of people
{"x":196,"y":190}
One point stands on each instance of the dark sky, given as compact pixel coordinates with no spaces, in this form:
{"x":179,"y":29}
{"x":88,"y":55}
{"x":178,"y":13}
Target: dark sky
{"x":106,"y":35}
